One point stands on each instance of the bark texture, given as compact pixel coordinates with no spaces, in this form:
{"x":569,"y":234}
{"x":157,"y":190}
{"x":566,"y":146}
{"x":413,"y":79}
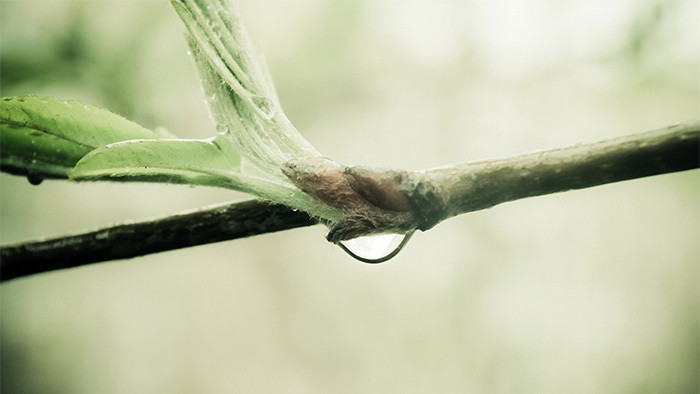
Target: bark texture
{"x":209,"y":225}
{"x":443,"y":192}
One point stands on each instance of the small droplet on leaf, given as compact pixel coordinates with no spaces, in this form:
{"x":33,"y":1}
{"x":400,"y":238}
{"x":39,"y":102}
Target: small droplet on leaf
{"x":374,"y":249}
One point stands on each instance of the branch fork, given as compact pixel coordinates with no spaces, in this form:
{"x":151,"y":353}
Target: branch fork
{"x":370,"y":199}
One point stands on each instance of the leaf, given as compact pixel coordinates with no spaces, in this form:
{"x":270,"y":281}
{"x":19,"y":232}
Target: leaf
{"x":52,"y":138}
{"x":217,"y":34}
{"x":239,"y":92}
{"x":46,"y":137}
{"x":244,"y":105}
{"x":209,"y":162}
{"x":196,"y":162}
{"x":27,"y":151}
{"x":72,"y":120}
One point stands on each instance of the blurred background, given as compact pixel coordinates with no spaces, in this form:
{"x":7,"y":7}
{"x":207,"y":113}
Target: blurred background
{"x":590,"y":291}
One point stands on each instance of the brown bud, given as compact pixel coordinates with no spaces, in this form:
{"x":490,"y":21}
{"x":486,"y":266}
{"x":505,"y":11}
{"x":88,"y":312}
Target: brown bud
{"x":323,"y":179}
{"x":370,"y":199}
{"x":379,"y":188}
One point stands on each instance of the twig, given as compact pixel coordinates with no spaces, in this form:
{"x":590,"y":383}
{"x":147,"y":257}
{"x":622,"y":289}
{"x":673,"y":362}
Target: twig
{"x":435,"y":194}
{"x":209,"y":225}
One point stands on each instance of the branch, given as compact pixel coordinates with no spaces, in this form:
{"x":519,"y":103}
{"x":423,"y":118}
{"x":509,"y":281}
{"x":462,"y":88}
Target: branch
{"x":204,"y":226}
{"x":434,"y":195}
{"x":443,"y":192}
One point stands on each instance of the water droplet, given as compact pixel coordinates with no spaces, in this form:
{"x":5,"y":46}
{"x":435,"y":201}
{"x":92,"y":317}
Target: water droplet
{"x":375,"y":248}
{"x":34,"y":179}
{"x":222,"y":128}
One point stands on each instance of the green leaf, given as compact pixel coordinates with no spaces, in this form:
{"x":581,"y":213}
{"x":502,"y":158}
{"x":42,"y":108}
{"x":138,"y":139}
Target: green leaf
{"x":210,"y":162}
{"x":27,"y":151}
{"x":196,"y":162}
{"x":238,"y":88}
{"x":45,"y":137}
{"x":51,"y":138}
{"x":244,"y":105}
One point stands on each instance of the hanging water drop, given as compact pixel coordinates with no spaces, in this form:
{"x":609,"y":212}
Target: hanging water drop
{"x":34,"y":179}
{"x":375,"y":249}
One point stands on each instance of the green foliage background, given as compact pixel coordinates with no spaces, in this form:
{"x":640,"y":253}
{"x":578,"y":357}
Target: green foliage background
{"x":584,"y":292}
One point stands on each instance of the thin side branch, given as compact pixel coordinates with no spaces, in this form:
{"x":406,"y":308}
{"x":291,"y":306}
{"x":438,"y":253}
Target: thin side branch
{"x":434,"y":195}
{"x":204,"y":226}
